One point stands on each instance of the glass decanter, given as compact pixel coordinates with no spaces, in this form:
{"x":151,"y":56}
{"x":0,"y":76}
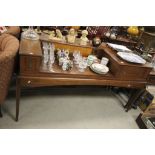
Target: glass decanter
{"x":30,"y":34}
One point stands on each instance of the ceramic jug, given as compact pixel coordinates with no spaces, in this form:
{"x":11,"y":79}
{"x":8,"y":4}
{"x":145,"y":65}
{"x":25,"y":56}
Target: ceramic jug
{"x":133,"y":30}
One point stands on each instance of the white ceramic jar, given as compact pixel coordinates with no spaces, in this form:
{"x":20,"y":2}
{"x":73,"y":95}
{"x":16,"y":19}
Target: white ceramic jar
{"x":104,"y":61}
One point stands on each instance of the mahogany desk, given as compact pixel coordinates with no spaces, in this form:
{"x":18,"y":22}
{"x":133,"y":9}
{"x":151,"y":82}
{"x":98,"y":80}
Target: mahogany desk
{"x":32,"y":75}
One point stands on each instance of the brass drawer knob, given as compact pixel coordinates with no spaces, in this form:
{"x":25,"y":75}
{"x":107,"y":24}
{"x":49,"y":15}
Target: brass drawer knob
{"x":129,"y":85}
{"x":29,"y":82}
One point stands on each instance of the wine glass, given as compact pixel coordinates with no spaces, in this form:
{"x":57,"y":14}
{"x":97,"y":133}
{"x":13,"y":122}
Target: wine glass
{"x":50,"y":64}
{"x":45,"y":56}
{"x":77,"y":57}
{"x":82,"y":64}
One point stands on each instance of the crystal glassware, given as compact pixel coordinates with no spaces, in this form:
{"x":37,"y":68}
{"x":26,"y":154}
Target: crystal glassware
{"x":50,"y":64}
{"x":45,"y":56}
{"x":51,"y":57}
{"x":77,"y":57}
{"x":76,"y":54}
{"x":45,"y":61}
{"x":153,"y":63}
{"x":30,"y":34}
{"x":82,"y":65}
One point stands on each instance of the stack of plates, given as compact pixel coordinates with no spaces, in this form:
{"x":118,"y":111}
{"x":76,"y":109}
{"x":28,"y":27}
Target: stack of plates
{"x":99,"y":68}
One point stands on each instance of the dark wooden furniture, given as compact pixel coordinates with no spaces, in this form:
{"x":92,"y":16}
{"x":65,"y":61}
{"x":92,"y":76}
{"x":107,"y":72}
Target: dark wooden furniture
{"x":151,"y":78}
{"x":32,"y":75}
{"x":140,"y":122}
{"x":148,"y":39}
{"x":121,"y":40}
{"x":1,"y":112}
{"x":142,"y":118}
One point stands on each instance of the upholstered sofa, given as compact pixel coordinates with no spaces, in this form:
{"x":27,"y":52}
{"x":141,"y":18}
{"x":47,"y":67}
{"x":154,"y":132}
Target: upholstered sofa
{"x":8,"y":48}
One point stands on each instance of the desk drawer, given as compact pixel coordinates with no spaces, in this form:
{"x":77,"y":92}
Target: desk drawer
{"x":32,"y":82}
{"x":53,"y":81}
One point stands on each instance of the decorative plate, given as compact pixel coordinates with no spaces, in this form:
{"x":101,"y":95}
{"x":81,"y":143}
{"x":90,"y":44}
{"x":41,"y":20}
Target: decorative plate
{"x":119,"y":48}
{"x":131,"y":57}
{"x":99,"y":68}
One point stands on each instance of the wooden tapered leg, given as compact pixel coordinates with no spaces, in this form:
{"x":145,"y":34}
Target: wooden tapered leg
{"x":134,"y":97}
{"x":130,"y":101}
{"x":1,"y":111}
{"x":18,"y":91}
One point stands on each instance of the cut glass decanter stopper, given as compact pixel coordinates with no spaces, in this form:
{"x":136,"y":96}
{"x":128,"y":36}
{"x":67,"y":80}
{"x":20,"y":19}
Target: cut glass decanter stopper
{"x":30,"y":34}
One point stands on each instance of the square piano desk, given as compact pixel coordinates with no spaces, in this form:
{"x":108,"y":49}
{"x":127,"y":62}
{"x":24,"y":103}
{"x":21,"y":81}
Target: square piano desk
{"x":32,"y":75}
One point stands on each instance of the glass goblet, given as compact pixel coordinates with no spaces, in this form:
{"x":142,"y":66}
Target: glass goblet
{"x":82,"y":65}
{"x":50,"y":64}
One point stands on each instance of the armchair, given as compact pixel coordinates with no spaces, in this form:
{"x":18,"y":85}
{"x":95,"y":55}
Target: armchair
{"x":13,"y":30}
{"x":8,"y":48}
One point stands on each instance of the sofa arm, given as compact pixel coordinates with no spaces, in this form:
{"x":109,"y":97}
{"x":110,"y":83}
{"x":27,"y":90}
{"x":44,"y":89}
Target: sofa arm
{"x":8,"y":47}
{"x":13,"y":30}
{"x":6,"y":56}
